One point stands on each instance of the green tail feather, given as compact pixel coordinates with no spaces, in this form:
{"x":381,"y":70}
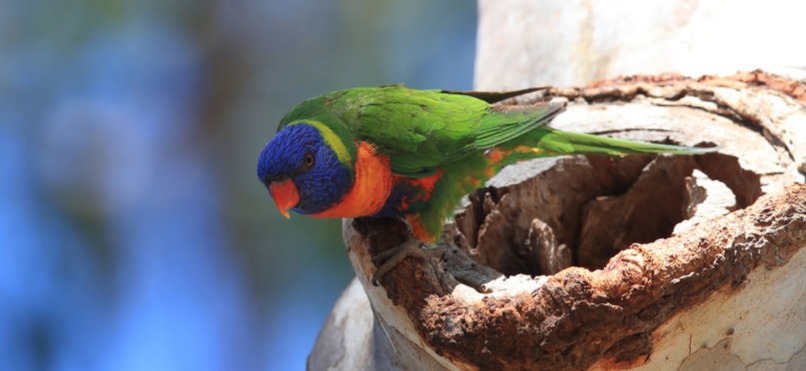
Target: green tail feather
{"x":567,"y":143}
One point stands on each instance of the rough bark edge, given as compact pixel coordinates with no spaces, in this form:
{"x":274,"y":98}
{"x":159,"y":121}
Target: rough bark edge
{"x":792,"y":88}
{"x":752,"y":98}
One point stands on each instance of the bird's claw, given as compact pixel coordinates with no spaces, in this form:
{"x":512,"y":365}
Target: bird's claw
{"x":389,"y":259}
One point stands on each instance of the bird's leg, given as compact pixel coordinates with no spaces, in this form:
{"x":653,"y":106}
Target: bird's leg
{"x":389,"y":259}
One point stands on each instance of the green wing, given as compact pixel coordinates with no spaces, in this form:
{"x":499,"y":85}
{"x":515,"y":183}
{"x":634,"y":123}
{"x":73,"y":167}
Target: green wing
{"x":424,"y":130}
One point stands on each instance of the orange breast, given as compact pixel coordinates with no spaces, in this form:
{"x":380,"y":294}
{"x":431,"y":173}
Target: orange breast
{"x":373,"y":184}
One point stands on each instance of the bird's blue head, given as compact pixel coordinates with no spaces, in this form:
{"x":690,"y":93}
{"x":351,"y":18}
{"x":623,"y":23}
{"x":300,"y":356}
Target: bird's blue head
{"x":306,"y":168}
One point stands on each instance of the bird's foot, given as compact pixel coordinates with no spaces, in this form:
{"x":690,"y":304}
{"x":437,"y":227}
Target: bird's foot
{"x":389,"y":259}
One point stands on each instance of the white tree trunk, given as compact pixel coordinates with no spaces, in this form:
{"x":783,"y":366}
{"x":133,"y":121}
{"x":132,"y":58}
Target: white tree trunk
{"x":524,"y":43}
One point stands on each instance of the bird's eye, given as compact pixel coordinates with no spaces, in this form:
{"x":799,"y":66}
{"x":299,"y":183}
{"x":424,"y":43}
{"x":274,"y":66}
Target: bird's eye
{"x":309,"y":160}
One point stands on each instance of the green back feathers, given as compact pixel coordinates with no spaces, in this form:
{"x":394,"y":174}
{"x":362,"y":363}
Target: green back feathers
{"x":422,"y":130}
{"x":507,"y":123}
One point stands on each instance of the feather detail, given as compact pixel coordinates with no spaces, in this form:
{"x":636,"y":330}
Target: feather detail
{"x":419,"y":230}
{"x":372,"y":186}
{"x":424,"y":186}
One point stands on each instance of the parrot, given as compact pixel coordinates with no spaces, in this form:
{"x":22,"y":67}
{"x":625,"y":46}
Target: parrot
{"x":394,"y":151}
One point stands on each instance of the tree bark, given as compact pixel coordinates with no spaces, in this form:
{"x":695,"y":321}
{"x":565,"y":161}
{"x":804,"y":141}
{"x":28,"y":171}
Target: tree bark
{"x":587,"y":262}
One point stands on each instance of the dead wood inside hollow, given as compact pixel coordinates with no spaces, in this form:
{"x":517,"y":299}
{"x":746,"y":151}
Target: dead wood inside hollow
{"x":594,"y":206}
{"x":539,"y":217}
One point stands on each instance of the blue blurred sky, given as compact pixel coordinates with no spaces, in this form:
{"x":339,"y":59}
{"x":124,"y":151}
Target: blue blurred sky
{"x":134,"y":234}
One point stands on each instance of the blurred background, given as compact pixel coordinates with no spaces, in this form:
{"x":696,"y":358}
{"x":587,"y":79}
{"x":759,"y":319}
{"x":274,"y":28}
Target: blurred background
{"x":134,"y":234}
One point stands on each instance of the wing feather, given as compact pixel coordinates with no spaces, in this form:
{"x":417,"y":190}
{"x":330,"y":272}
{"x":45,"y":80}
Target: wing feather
{"x":423,"y":130}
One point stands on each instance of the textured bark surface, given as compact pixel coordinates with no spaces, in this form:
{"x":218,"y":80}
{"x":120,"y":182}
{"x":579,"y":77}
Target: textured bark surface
{"x":505,"y":295}
{"x":578,"y":317}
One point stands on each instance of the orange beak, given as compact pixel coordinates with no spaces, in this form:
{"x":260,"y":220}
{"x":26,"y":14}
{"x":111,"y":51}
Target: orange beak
{"x":285,"y":195}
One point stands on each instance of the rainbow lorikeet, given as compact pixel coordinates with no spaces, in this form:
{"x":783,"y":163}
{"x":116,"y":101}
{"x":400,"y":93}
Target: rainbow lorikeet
{"x":392,"y":151}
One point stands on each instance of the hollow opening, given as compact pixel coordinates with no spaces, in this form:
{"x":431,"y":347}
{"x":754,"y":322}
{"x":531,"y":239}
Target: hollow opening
{"x":583,"y":210}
